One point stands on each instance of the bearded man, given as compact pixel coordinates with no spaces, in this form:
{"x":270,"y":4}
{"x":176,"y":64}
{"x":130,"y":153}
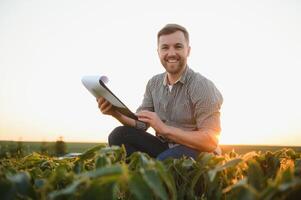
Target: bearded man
{"x":181,"y":105}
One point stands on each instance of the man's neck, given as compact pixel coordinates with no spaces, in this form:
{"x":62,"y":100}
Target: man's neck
{"x":173,"y":78}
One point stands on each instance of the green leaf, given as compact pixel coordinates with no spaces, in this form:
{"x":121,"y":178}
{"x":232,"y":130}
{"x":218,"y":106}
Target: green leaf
{"x":153,"y":181}
{"x":204,"y":158}
{"x":244,"y":193}
{"x":188,"y":163}
{"x":90,"y":153}
{"x":212,"y":173}
{"x":272,"y":164}
{"x":194,"y":181}
{"x":240,"y":183}
{"x":167,"y":179}
{"x":139,"y":188}
{"x":139,"y":160}
{"x":79,"y":166}
{"x":101,"y":189}
{"x":284,"y":176}
{"x":102,"y":161}
{"x":249,"y":155}
{"x":111,"y":170}
{"x":70,"y":190}
{"x":291,"y":184}
{"x":298,"y":167}
{"x":255,"y":175}
{"x":115,"y":153}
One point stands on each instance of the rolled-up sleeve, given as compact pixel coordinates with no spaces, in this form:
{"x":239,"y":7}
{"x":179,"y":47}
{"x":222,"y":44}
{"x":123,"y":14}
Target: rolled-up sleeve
{"x":207,"y":101}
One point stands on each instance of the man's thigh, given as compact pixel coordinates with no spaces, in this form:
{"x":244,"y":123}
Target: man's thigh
{"x":137,"y":140}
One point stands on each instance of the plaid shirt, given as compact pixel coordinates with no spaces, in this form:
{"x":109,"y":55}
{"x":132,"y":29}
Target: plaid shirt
{"x":192,"y":104}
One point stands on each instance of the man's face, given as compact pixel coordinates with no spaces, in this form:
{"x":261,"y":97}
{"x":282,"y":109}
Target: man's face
{"x":173,"y":50}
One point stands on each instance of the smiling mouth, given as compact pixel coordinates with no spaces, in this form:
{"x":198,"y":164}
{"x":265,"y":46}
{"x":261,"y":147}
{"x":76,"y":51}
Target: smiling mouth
{"x":172,"y":60}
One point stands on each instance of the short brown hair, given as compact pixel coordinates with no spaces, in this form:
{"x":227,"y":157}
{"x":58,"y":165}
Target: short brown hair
{"x":171,"y":28}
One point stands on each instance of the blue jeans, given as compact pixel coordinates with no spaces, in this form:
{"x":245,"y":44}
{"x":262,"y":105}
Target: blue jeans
{"x":178,"y":152}
{"x":138,"y":140}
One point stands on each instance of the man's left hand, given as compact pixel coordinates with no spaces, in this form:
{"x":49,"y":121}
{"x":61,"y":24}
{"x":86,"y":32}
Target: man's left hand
{"x":153,"y":120}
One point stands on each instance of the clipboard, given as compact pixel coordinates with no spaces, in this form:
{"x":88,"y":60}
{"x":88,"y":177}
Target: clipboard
{"x":97,"y":88}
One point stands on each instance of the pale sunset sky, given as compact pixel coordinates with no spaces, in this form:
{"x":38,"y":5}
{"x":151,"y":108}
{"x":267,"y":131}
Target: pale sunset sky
{"x":251,"y":50}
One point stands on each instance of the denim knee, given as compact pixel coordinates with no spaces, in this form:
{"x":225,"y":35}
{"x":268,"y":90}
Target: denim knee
{"x":178,"y":152}
{"x":115,"y":137}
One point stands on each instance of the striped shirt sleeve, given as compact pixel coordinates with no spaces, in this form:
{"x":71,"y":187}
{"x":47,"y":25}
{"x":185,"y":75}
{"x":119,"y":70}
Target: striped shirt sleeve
{"x":207,"y":100}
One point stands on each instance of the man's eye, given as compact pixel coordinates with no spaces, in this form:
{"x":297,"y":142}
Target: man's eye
{"x":179,"y":47}
{"x":164,"y":48}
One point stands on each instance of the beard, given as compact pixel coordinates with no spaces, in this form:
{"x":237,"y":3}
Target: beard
{"x":174,"y":68}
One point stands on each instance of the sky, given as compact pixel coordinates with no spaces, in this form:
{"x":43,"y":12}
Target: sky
{"x":251,"y":50}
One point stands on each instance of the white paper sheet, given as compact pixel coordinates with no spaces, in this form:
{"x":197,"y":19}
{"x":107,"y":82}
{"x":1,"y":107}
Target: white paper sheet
{"x":97,"y":90}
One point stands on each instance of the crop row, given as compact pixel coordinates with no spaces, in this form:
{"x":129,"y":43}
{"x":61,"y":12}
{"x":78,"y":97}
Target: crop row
{"x":105,"y":172}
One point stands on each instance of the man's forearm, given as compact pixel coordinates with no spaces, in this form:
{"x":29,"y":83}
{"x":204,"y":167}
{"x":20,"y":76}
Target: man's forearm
{"x":124,"y":119}
{"x":200,"y":140}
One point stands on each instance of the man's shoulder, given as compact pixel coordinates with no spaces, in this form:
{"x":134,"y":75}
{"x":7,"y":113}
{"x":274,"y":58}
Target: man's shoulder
{"x":156,"y":79}
{"x":196,"y":80}
{"x":201,"y":86}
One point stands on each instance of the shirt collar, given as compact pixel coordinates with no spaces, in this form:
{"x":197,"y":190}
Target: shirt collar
{"x":182,"y":78}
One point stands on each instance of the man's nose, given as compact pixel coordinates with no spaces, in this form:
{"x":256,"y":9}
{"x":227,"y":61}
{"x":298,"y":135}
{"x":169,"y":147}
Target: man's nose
{"x":171,"y":52}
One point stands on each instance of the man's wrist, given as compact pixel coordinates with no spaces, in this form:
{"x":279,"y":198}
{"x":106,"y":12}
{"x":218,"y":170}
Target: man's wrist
{"x":167,"y":131}
{"x":116,"y":114}
{"x":140,"y":125}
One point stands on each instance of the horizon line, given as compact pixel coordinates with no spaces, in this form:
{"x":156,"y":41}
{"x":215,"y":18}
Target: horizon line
{"x":90,"y":142}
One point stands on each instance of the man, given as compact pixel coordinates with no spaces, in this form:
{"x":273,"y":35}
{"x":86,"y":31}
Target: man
{"x":181,"y":105}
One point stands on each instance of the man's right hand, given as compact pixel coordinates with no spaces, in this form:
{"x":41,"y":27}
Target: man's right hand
{"x":105,"y":107}
{"x":108,"y":109}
